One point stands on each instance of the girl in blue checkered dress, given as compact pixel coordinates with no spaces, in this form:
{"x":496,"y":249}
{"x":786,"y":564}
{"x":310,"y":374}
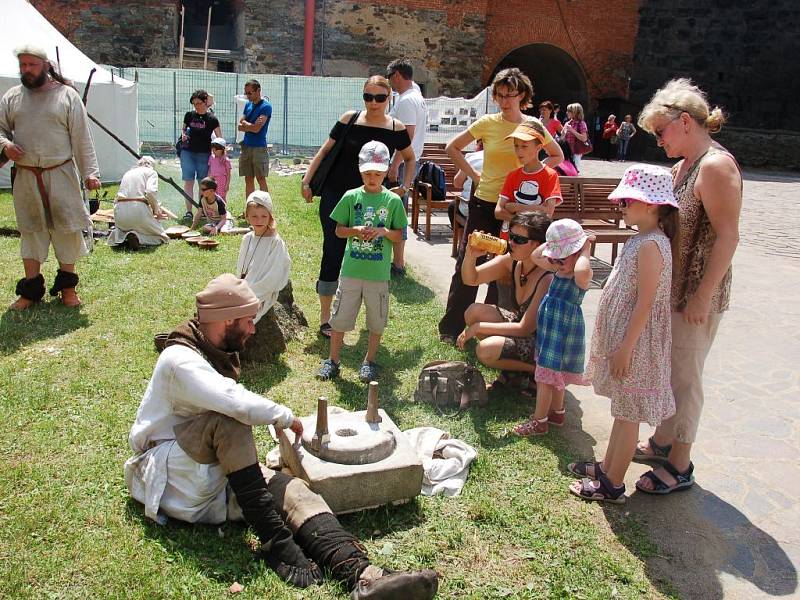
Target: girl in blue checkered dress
{"x":560,"y":339}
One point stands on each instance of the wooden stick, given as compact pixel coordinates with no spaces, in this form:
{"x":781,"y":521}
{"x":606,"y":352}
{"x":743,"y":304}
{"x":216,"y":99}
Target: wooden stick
{"x":208,"y":37}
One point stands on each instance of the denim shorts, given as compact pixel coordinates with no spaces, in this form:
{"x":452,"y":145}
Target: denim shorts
{"x":194,"y":165}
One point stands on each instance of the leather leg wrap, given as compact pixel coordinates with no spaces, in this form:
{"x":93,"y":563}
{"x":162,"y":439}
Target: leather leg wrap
{"x":64,"y":280}
{"x":336,"y":550}
{"x":31,"y":289}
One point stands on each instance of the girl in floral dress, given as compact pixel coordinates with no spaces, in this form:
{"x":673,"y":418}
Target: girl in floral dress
{"x":559,"y":324}
{"x":630,"y":353}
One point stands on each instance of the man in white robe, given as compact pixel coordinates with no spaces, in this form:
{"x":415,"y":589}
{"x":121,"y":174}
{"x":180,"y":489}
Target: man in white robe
{"x":195,"y":456}
{"x":136,"y":208}
{"x":44,"y":129}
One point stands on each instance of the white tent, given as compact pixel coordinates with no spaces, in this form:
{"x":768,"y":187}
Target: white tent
{"x":111,"y":100}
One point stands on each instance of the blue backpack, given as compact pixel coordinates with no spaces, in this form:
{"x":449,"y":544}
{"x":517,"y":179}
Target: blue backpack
{"x":432,"y":174}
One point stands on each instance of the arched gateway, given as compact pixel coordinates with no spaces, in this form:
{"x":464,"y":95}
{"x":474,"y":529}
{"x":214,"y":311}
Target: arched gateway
{"x":555,"y":74}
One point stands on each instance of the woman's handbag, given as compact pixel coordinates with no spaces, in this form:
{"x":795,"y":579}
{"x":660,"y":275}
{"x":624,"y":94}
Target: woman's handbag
{"x":578,"y":147}
{"x":326,"y":164}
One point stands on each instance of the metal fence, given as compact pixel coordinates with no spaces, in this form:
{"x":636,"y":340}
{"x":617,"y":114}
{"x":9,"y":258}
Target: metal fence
{"x":303,"y":108}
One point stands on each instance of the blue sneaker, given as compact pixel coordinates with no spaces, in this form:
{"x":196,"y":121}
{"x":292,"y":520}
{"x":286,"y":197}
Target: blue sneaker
{"x":328,"y":370}
{"x":368,"y":372}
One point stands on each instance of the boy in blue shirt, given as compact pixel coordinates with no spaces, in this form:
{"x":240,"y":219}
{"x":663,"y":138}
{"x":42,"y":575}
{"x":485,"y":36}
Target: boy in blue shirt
{"x":372,"y":219}
{"x":254,"y":159}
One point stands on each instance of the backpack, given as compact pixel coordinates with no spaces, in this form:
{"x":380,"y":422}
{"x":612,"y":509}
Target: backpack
{"x":432,"y":174}
{"x":446,"y":383}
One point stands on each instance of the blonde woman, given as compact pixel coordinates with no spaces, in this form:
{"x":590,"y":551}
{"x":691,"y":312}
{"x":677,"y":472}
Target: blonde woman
{"x":708,"y":186}
{"x":371,"y":124}
{"x":576,"y":132}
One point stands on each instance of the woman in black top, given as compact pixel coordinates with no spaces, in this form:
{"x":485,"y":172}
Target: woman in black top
{"x":371,"y":124}
{"x":199,"y":126}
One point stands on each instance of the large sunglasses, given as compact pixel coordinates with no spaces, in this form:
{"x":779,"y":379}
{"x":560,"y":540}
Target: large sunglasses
{"x":659,"y":133}
{"x":556,"y":261}
{"x":375,"y":97}
{"x":625,"y":202}
{"x":518,"y":239}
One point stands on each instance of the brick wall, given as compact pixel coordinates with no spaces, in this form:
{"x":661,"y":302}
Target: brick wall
{"x":141,"y":33}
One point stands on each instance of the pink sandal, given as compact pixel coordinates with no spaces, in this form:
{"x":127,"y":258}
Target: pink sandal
{"x":531,"y":427}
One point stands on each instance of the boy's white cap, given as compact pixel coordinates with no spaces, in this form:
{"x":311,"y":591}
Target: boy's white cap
{"x":646,"y":183}
{"x":261,"y":198}
{"x":32,"y":50}
{"x":374,"y":156}
{"x":218,"y":141}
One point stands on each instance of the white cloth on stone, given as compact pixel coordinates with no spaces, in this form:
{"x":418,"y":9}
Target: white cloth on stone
{"x":265,"y":263}
{"x":445,"y":460}
{"x":52,"y":127}
{"x":138,"y":217}
{"x":160,"y":474}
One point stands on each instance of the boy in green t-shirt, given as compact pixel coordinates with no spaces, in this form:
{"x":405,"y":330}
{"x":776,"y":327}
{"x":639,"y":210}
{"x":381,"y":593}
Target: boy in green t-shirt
{"x":372,"y":219}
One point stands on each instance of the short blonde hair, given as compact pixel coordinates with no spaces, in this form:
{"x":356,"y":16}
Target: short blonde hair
{"x":381,"y":81}
{"x":576,"y":109}
{"x":681,"y":96}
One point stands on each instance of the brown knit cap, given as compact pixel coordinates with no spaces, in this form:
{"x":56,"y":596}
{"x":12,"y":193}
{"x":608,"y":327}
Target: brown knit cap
{"x":226,"y":297}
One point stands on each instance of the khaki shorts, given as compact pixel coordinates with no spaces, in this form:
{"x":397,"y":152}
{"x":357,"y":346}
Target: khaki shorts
{"x":253,"y":161}
{"x":68,"y":246}
{"x":347,"y":303}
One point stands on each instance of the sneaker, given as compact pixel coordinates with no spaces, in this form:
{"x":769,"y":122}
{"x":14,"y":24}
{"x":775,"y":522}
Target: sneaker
{"x":188,"y":216}
{"x":398,"y":271}
{"x":368,"y":372}
{"x":328,"y":370}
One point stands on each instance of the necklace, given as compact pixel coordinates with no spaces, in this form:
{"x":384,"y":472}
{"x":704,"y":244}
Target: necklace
{"x":249,"y":263}
{"x":523,"y":276}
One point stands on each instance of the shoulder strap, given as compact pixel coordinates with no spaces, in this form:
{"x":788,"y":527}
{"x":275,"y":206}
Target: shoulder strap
{"x":538,"y":281}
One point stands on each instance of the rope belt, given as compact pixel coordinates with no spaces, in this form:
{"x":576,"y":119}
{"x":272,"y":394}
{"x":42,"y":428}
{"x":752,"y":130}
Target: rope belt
{"x":132,"y":200}
{"x":37,"y":172}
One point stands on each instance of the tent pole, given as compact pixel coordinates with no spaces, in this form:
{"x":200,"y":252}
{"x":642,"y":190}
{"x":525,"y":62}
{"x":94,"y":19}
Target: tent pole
{"x":208,"y":37}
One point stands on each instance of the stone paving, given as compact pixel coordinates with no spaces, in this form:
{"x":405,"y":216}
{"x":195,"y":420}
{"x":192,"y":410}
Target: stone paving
{"x":736,"y":534}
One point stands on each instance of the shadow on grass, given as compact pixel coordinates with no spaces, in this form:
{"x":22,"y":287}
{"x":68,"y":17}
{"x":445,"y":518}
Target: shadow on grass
{"x":694,"y":536}
{"x":383,"y":521}
{"x":407,"y":290}
{"x":264,"y":375}
{"x":223,"y":559}
{"x":40,"y":322}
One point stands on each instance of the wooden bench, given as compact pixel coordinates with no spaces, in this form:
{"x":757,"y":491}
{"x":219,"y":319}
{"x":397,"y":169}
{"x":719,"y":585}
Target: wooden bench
{"x":585,"y":201}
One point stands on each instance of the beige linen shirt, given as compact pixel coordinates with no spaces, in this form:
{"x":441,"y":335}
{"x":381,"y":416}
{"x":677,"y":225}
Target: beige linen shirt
{"x":51,"y":125}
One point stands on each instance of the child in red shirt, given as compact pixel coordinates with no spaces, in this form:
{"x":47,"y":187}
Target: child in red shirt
{"x":532,"y":187}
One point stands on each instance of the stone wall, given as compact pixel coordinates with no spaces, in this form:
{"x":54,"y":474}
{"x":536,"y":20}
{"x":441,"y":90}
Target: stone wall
{"x":141,"y":33}
{"x":744,"y":54}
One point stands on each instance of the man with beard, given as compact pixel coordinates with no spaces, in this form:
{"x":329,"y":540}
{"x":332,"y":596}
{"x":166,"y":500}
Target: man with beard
{"x":196,"y":458}
{"x":44,"y":129}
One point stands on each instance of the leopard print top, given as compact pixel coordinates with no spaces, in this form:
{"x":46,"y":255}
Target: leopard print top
{"x":696,"y":239}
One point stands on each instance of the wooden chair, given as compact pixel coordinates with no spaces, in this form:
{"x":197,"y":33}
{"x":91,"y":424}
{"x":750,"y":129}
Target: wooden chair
{"x":421,"y":197}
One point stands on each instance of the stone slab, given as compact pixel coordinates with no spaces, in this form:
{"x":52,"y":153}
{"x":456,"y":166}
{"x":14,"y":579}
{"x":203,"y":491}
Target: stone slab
{"x":346,"y":488}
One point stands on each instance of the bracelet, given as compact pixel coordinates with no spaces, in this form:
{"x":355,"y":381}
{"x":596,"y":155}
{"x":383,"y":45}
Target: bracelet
{"x":306,"y":186}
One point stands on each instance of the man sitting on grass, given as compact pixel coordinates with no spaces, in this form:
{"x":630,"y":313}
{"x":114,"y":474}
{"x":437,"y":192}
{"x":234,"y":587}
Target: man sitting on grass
{"x":195,"y":456}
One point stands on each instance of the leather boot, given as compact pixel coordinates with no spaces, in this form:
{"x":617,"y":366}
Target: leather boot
{"x":398,"y":585}
{"x":281,"y":552}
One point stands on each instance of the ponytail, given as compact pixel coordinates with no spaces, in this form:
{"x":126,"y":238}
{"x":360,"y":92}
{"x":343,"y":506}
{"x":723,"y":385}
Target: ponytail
{"x":57,"y":76}
{"x":669,"y":221}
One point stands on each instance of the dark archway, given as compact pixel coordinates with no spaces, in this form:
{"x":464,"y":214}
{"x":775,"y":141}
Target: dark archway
{"x":555,"y":74}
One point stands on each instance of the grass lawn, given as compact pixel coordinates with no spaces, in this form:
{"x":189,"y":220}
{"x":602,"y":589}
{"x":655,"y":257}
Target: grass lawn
{"x":70,"y":383}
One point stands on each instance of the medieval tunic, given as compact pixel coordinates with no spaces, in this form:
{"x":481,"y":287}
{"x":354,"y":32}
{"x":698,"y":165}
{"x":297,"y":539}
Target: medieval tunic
{"x":264,"y":264}
{"x":138,"y":191}
{"x":51,"y":126}
{"x":161,"y":475}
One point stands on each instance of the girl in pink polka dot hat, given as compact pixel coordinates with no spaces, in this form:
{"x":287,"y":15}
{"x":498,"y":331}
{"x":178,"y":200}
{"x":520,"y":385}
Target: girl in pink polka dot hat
{"x":630,"y":355}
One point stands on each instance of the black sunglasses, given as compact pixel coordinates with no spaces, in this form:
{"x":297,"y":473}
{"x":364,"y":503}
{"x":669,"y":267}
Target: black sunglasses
{"x":375,"y":97}
{"x":518,"y":239}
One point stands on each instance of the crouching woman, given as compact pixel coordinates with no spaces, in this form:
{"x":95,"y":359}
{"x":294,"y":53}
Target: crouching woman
{"x":507,"y":338}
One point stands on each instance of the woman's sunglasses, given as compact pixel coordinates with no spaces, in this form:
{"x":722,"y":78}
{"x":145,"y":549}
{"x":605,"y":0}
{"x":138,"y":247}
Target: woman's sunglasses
{"x":518,"y":239}
{"x":375,"y":97}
